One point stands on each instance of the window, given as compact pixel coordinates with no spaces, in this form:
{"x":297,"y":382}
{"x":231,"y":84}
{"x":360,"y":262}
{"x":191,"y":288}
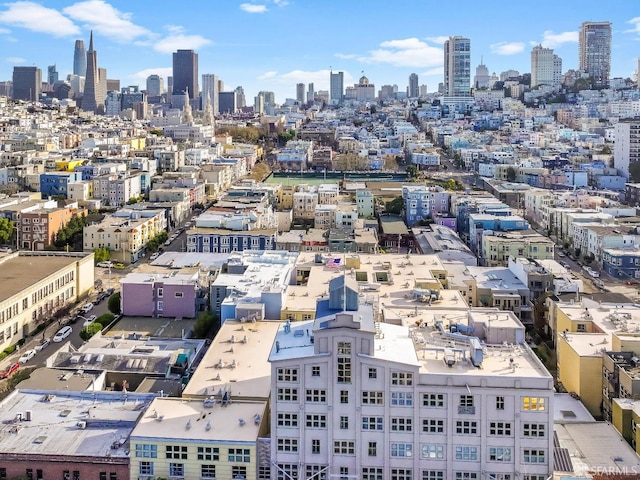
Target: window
{"x":533,"y":456}
{"x":316,"y":472}
{"x":466,"y":427}
{"x":287,"y":419}
{"x":342,"y":447}
{"x":101,"y":476}
{"x":160,"y":292}
{"x":466,"y":453}
{"x":344,"y":396}
{"x":500,"y":428}
{"x":145,"y":450}
{"x":239,"y":455}
{"x":344,"y":422}
{"x":316,"y":396}
{"x":432,"y":451}
{"x":402,"y":399}
{"x":211,"y":454}
{"x":286,"y":471}
{"x":535,"y":477}
{"x":499,"y":403}
{"x":176,"y":452}
{"x":344,"y":348}
{"x":345,"y":472}
{"x":208,"y":471}
{"x":287,"y":374}
{"x":432,"y":475}
{"x":372,"y":398}
{"x":499,"y":454}
{"x":533,"y":430}
{"x":499,"y":476}
{"x":145,"y":468}
{"x":288,"y":394}
{"x":315,"y":446}
{"x":372,"y":423}
{"x":344,"y":370}
{"x":401,"y":449}
{"x":316,"y":421}
{"x":401,"y":424}
{"x":466,"y":476}
{"x":372,"y":449}
{"x":287,"y":444}
{"x":371,"y":473}
{"x":401,"y":378}
{"x":373,"y":373}
{"x":533,"y":403}
{"x":466,"y":401}
{"x":238,"y":471}
{"x":401,"y":474}
{"x":434,"y":400}
{"x":432,"y":425}
{"x":178,"y":294}
{"x":315,"y":371}
{"x":176,"y":469}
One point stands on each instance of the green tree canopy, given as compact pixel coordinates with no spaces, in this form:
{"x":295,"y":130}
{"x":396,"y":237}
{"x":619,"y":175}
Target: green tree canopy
{"x":395,"y":206}
{"x":102,"y":254}
{"x":7,"y":229}
{"x":114,"y":303}
{"x":90,"y":330}
{"x":511,"y":174}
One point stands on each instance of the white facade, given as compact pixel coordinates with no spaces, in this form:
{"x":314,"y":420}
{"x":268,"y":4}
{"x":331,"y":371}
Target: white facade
{"x":546,"y":68}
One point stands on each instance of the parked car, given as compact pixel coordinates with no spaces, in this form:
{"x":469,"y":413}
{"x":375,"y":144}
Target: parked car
{"x":87,"y":308}
{"x":88,"y":321}
{"x":110,"y":291}
{"x":118,"y":266}
{"x":63,"y":333}
{"x":11,"y":369}
{"x":26,"y":356}
{"x":594,"y":274}
{"x":104,"y":264}
{"x":5,"y":249}
{"x":562,"y":254}
{"x":154,"y":256}
{"x":187,"y":225}
{"x":566,"y":265}
{"x":44,"y":343}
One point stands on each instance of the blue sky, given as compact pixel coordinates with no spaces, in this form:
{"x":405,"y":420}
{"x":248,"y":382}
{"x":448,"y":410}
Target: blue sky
{"x":274,"y":44}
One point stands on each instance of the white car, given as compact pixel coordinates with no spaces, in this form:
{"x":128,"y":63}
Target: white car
{"x":26,"y":356}
{"x":594,"y":274}
{"x":87,"y":308}
{"x":88,"y":321}
{"x":44,"y":343}
{"x":154,"y":256}
{"x":63,"y":333}
{"x":104,"y":264}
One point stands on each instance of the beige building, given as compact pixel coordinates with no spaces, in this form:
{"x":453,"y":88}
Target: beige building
{"x":37,"y":284}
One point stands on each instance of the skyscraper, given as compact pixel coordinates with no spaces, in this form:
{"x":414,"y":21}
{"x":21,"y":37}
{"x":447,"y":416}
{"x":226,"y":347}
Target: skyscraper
{"x":154,"y":85}
{"x":300,"y":93}
{"x":52,"y":74}
{"x":79,"y":59}
{"x":595,"y":52}
{"x":457,"y":67}
{"x":241,"y":101}
{"x":93,"y":97}
{"x":27,"y":83}
{"x":228,"y":102}
{"x":336,"y":87}
{"x":413,"y":91}
{"x":185,"y":73}
{"x":311,"y":94}
{"x":210,"y":91}
{"x":481,"y":78}
{"x":546,"y":68}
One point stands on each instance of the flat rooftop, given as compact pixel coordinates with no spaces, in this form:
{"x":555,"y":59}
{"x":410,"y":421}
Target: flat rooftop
{"x":496,"y":278}
{"x":22,"y":271}
{"x":70,"y":423}
{"x":190,"y":419}
{"x":237,"y":360}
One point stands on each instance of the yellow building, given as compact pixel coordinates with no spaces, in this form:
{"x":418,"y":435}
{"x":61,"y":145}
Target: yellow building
{"x":625,"y":418}
{"x":497,"y":248}
{"x":68,"y":165}
{"x":191,"y":439}
{"x":585,"y":330}
{"x":285,"y":197}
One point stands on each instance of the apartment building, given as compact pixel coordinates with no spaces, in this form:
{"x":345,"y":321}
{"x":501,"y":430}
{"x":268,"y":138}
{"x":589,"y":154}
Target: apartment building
{"x":36,"y":285}
{"x":116,"y":190}
{"x":356,"y":398}
{"x":36,"y":229}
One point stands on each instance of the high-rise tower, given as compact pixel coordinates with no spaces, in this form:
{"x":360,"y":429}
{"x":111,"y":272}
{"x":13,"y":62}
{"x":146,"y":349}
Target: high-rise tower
{"x":210,"y":91}
{"x":546,"y":68}
{"x":595,"y":52}
{"x":457,"y":67}
{"x":93,"y":97}
{"x":336,"y":87}
{"x":79,"y":59}
{"x":27,"y":83}
{"x":185,"y":73}
{"x":154,"y":85}
{"x":414,"y":90}
{"x":52,"y":74}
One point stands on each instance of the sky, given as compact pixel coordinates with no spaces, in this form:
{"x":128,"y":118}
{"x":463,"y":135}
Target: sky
{"x":274,"y":44}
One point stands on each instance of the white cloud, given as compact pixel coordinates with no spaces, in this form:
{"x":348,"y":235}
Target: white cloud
{"x":253,"y":8}
{"x":408,"y":52}
{"x":346,"y":56}
{"x":15,"y":59}
{"x":438,"y":71}
{"x":174,"y":42}
{"x":507,"y":48}
{"x":281,"y":3}
{"x":140,"y":78}
{"x":267,"y":75}
{"x":439,"y":40}
{"x":554,"y":40}
{"x":636,"y":25}
{"x":37,"y":18}
{"x":4,"y":31}
{"x":106,"y":20}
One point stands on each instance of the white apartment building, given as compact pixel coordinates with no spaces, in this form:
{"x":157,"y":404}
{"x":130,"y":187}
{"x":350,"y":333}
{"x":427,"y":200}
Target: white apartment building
{"x":116,"y":189}
{"x":546,"y":68}
{"x":355,"y":398}
{"x":305,"y":201}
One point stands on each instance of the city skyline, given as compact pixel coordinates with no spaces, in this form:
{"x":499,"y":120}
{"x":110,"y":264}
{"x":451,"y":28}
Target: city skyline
{"x":243,"y":50}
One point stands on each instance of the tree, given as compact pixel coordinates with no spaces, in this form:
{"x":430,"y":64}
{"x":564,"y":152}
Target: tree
{"x":105,"y":319}
{"x":260,"y":171}
{"x":90,"y":330}
{"x":102,"y":254}
{"x":395,"y":206}
{"x":203,"y":325}
{"x":634,"y":171}
{"x":511,"y":174}
{"x":412,"y":171}
{"x":114,"y":303}
{"x":390,"y":162}
{"x":350,"y":162}
{"x":7,"y":228}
